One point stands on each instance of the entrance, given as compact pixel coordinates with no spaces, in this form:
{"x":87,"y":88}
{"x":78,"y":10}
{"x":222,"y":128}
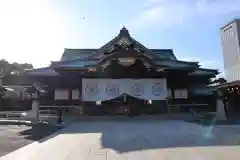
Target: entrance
{"x":123,"y":105}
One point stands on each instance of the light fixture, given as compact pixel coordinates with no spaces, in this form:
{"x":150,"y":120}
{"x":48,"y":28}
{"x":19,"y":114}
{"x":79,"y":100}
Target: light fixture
{"x":146,"y":64}
{"x":160,"y":69}
{"x":149,"y":101}
{"x":106,"y":64}
{"x":92,"y":69}
{"x":98,"y":102}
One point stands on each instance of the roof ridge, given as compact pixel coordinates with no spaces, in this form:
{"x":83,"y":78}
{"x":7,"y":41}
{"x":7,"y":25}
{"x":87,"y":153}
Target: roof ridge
{"x":98,"y":49}
{"x":81,"y":48}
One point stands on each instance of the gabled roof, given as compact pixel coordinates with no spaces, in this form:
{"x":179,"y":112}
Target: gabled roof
{"x":123,"y":38}
{"x":124,"y":48}
{"x":74,"y":54}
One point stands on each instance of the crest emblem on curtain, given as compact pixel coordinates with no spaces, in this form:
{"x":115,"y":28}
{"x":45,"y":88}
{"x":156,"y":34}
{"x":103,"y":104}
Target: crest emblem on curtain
{"x":91,"y":89}
{"x":137,"y":89}
{"x":112,"y":89}
{"x":157,"y":89}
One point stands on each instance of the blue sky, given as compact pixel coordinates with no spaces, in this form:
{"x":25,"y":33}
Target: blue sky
{"x":38,"y":31}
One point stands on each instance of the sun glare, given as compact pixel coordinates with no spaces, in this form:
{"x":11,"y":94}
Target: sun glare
{"x":30,"y":31}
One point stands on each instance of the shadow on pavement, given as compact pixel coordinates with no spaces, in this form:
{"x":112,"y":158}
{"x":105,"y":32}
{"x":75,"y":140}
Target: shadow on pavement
{"x":131,"y":135}
{"x":40,"y":131}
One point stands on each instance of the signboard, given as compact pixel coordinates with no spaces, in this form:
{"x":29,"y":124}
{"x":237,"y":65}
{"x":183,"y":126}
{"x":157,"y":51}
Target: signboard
{"x":180,"y":93}
{"x":75,"y":94}
{"x":106,"y":89}
{"x":61,"y":94}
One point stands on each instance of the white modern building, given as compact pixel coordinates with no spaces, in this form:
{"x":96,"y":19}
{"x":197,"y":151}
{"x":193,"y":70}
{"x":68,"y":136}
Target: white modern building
{"x":230,"y":35}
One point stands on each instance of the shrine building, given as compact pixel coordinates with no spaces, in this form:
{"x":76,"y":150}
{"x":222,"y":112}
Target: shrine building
{"x":124,"y":76}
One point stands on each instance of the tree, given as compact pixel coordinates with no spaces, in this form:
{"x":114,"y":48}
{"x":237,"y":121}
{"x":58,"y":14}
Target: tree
{"x":220,"y":80}
{"x":8,"y":69}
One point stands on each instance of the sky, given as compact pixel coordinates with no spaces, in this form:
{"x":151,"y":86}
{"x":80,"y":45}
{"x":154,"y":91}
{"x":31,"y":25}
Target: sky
{"x":37,"y":31}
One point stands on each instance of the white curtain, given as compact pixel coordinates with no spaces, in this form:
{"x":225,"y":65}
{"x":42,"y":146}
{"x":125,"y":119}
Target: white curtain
{"x":106,"y":89}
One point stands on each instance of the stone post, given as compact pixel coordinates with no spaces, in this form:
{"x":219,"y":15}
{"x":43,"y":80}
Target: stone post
{"x":33,"y":114}
{"x":221,"y":115}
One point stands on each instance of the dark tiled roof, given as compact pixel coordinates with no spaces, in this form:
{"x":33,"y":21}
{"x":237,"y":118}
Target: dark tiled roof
{"x":229,"y":84}
{"x":203,"y":71}
{"x":78,"y":64}
{"x":164,"y":53}
{"x":71,"y":54}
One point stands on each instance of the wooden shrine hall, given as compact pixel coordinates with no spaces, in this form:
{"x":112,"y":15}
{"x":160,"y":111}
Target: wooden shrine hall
{"x":122,"y":77}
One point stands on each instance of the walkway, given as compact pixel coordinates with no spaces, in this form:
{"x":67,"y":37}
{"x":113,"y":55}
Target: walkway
{"x":138,"y":140}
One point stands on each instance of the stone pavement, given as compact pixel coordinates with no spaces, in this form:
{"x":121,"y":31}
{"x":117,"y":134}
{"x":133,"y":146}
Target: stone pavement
{"x":138,"y":140}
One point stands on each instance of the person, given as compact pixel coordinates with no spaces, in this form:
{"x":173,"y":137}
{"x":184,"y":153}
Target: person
{"x":59,"y":115}
{"x":132,"y":110}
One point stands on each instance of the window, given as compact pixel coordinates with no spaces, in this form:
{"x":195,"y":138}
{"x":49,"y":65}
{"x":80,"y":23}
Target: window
{"x":231,"y":32}
{"x":223,"y":37}
{"x":98,"y":102}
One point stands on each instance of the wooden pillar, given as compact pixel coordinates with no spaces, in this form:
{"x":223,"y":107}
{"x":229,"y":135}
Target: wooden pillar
{"x":70,"y":94}
{"x":168,"y":108}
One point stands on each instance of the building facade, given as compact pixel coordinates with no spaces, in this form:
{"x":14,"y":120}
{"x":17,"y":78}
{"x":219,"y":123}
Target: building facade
{"x":230,"y":36}
{"x":124,"y":77}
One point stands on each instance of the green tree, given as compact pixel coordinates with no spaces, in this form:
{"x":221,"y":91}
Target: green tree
{"x":220,"y":80}
{"x":8,"y":69}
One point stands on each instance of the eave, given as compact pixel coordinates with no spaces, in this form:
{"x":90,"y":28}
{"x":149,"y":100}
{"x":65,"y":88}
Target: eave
{"x":202,"y":90}
{"x":46,"y":71}
{"x":204,"y":72}
{"x":177,"y":64}
{"x":228,"y":84}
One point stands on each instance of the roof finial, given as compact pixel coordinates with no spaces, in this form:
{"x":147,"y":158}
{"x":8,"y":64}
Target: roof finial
{"x":124,"y":31}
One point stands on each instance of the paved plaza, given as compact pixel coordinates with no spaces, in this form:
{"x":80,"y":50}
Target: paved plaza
{"x":14,"y":135}
{"x":138,"y":140}
{"x":10,"y":138}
